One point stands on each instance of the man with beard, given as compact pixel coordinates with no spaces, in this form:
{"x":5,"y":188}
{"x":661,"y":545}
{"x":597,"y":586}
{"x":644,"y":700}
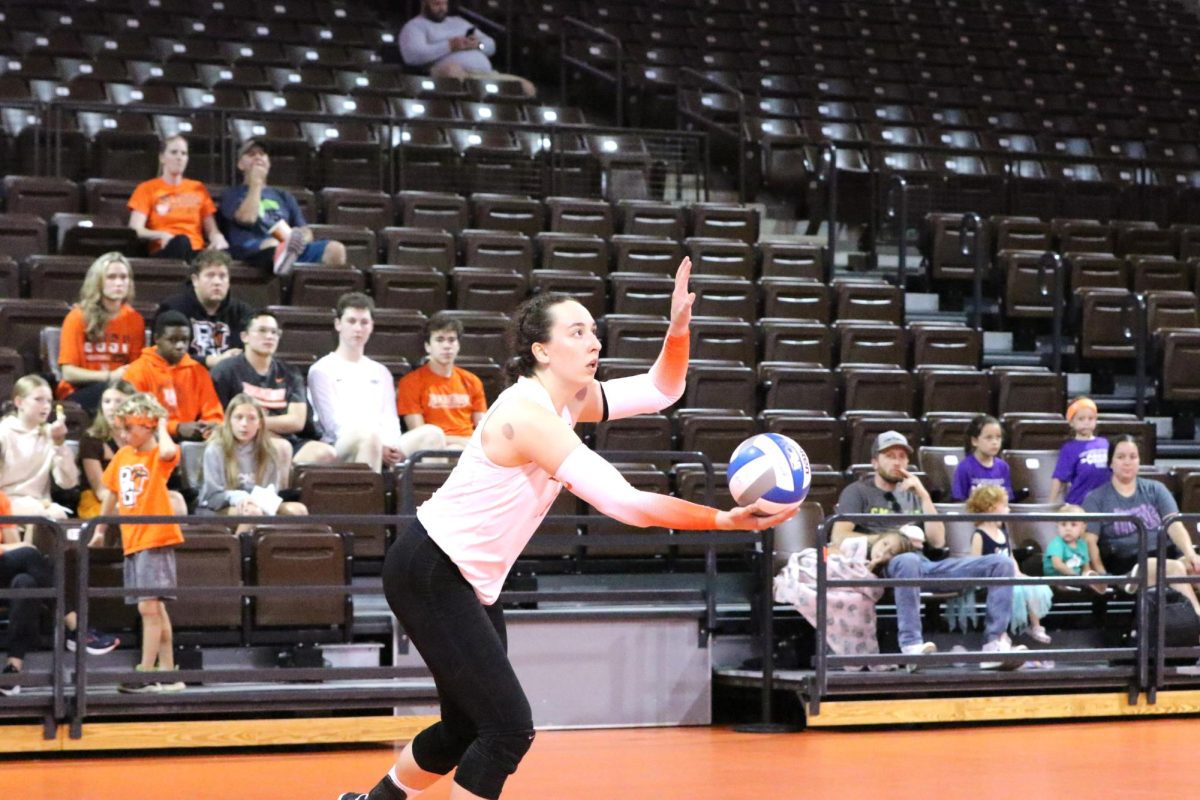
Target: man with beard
{"x":892,"y":489}
{"x":217,"y":318}
{"x":450,"y":46}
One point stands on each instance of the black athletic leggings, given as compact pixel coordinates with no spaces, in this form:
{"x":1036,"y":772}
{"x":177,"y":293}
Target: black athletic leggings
{"x":486,"y":725}
{"x":24,"y":568}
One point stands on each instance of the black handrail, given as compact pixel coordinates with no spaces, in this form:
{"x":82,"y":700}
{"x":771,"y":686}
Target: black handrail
{"x":1141,"y":335}
{"x":896,"y":209}
{"x":1161,"y":651}
{"x":822,"y":660}
{"x":829,"y":153}
{"x":974,"y":225}
{"x":617,"y":79}
{"x":1051,"y":263}
{"x":739,"y":134}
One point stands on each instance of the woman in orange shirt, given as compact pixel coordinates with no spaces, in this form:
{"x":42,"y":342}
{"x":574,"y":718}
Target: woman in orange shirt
{"x":173,"y":213}
{"x":102,"y":334}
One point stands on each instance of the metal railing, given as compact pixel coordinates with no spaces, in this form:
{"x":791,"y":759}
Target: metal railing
{"x":713,"y":127}
{"x":974,"y":246}
{"x":1051,"y":264}
{"x":617,"y":78}
{"x":896,"y":211}
{"x":1162,"y":583}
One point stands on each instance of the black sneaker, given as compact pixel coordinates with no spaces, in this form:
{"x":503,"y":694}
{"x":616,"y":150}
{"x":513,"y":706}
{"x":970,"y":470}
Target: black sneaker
{"x":9,"y":691}
{"x":352,"y":796}
{"x":384,"y":790}
{"x":97,"y":642}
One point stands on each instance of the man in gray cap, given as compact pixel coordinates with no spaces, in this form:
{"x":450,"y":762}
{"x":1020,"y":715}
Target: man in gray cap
{"x":892,"y":489}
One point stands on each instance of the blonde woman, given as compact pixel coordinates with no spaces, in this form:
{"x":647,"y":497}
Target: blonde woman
{"x":174,"y":214}
{"x":102,"y":334}
{"x":32,"y":450}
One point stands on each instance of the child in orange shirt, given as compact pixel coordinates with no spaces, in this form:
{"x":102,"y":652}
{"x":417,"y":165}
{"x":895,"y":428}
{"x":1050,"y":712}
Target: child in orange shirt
{"x":136,"y":479}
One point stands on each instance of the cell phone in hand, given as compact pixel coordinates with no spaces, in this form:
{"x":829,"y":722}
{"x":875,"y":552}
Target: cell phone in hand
{"x":470,"y":32}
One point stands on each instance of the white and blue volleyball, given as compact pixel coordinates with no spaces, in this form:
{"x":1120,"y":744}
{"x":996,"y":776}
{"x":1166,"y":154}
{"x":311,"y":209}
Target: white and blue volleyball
{"x":770,"y":468}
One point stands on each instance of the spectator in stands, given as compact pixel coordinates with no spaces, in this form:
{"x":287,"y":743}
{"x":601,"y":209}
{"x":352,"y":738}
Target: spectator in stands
{"x":279,"y":390}
{"x":23,"y":567}
{"x":981,"y":466}
{"x":265,"y":226}
{"x":102,"y":334}
{"x":450,"y":46}
{"x":217,"y":317}
{"x":438,"y":392}
{"x":355,"y":398}
{"x":136,"y":480}
{"x":892,"y":489}
{"x":241,"y":473}
{"x":178,"y":381}
{"x":173,"y":213}
{"x":1081,"y":461}
{"x":1113,"y":546}
{"x":1031,"y":602}
{"x":34,"y":452}
{"x":99,"y":444}
{"x":1067,"y":553}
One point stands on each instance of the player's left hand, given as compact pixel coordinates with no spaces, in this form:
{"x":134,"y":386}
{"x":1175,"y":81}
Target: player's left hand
{"x":682,"y":299}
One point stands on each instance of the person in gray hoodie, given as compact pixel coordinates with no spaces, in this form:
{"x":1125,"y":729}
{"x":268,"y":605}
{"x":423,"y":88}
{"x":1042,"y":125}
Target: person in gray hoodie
{"x":450,"y":47}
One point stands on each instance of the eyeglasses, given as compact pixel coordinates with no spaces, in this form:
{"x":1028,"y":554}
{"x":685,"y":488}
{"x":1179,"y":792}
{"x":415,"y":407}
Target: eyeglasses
{"x":893,"y":502}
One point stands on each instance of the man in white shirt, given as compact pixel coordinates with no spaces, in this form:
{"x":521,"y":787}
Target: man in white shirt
{"x":450,"y":46}
{"x":355,"y":398}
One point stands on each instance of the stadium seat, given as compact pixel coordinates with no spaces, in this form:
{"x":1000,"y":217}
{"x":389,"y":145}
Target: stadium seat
{"x":419,"y":247}
{"x":409,"y":287}
{"x":571,"y":252}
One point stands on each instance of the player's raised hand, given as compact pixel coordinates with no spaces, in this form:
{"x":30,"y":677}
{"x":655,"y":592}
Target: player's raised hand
{"x":682,"y":299}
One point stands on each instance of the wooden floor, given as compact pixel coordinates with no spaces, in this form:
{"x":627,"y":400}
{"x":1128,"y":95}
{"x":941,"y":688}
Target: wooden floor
{"x":1150,"y":758}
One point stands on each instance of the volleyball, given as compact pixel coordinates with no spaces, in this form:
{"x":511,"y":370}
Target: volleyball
{"x":770,"y":468}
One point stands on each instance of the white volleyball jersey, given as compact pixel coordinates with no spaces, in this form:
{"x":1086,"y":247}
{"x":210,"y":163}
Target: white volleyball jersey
{"x":485,"y":514}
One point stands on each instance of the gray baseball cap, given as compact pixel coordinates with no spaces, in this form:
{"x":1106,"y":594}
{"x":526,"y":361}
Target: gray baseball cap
{"x":890,"y":439}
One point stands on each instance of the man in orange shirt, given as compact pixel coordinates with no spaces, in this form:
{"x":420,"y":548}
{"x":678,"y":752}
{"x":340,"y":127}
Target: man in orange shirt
{"x":177,"y":380}
{"x":438,"y":392}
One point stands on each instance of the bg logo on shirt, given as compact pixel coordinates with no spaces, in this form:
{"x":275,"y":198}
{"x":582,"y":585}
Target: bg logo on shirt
{"x":132,"y":480}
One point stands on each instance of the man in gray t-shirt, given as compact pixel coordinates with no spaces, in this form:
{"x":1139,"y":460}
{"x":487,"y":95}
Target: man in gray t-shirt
{"x":450,"y":46}
{"x":892,"y":489}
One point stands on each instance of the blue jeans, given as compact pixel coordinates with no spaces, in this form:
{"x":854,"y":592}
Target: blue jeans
{"x":908,"y":598}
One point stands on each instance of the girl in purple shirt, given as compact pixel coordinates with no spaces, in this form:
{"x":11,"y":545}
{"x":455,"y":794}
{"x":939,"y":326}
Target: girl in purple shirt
{"x":1083,"y":461}
{"x":981,"y":467}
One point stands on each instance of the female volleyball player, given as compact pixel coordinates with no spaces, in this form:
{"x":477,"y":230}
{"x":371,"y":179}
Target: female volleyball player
{"x":443,"y":574}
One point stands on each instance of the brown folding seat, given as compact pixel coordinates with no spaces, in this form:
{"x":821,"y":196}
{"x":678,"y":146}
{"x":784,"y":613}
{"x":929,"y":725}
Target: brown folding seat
{"x":1171,"y":310}
{"x":315,"y":285}
{"x":723,"y":339}
{"x":498,"y":212}
{"x":91,"y":235}
{"x":121,"y":144}
{"x":878,"y":302}
{"x":362,"y":248}
{"x":722,"y":221}
{"x":1181,"y":366}
{"x":1023,"y":296}
{"x":23,"y":235}
{"x":10,"y":280}
{"x":825,"y":489}
{"x":792,"y":260}
{"x":347,"y":153}
{"x":939,"y":464}
{"x":1097,"y":271}
{"x":822,"y":436}
{"x":643,"y":432}
{"x":1189,"y":493}
{"x":504,"y":250}
{"x":1032,"y":472}
{"x":580,"y":215}
{"x":795,"y":298}
{"x":338,"y":490}
{"x":108,"y":196}
{"x":613,"y":367}
{"x":652,"y":218}
{"x":1146,"y":240}
{"x":307,"y":332}
{"x":1081,"y":236}
{"x":209,"y":556}
{"x":488,"y":289}
{"x":943,"y":248}
{"x":690,"y":484}
{"x":1189,"y":240}
{"x":437,"y":210}
{"x":721,"y":257}
{"x":862,"y":430}
{"x":158,"y":279}
{"x":944,"y":344}
{"x":584,"y":287}
{"x":634,"y":253}
{"x":724,"y":297}
{"x":429,"y":87}
{"x":633,"y":336}
{"x":714,"y":432}
{"x":796,"y":341}
{"x":947,"y":428}
{"x":22,"y":322}
{"x":483,"y":334}
{"x":420,"y":288}
{"x":419,"y":247}
{"x":1020,"y":233}
{"x":1114,"y":425}
{"x":44,"y":197}
{"x":425,"y":159}
{"x":868,"y":343}
{"x":1035,"y":432}
{"x":397,"y":331}
{"x":298,"y":555}
{"x":572,"y":252}
{"x":791,"y":387}
{"x":878,"y":389}
{"x":949,"y":389}
{"x":1160,"y":273}
{"x":1028,"y":391}
{"x":55,"y":277}
{"x":1108,"y":324}
{"x":493,"y":160}
{"x":493,"y":112}
{"x":640,"y":293}
{"x":357,"y":207}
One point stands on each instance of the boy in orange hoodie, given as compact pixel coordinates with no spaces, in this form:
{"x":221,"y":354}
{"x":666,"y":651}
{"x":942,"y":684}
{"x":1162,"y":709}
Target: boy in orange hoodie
{"x":177,"y":380}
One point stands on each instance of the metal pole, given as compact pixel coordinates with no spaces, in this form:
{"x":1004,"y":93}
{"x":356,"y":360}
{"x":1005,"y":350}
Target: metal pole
{"x":899,"y":211}
{"x":1051,"y":263}
{"x":1139,"y":349}
{"x":971,"y":222}
{"x":830,"y":153}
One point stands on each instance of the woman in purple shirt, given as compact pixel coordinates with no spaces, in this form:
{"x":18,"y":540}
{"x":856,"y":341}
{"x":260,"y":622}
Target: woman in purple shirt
{"x":1083,"y":461}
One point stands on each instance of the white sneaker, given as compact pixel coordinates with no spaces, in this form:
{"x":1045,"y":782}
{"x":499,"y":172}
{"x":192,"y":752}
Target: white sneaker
{"x":1001,"y":645}
{"x":1038,"y":634}
{"x":922,"y":649}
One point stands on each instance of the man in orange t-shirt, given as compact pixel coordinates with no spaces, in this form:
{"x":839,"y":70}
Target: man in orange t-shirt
{"x":177,"y":380}
{"x":440,"y":393}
